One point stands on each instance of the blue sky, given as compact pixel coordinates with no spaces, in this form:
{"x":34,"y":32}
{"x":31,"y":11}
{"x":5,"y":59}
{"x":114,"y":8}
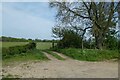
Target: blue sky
{"x":27,"y":20}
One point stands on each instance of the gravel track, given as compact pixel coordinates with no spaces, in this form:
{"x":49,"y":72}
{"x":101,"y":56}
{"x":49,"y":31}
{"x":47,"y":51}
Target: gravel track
{"x":68,"y":68}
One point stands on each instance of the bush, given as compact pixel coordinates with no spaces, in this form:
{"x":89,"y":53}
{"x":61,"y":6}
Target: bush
{"x":70,"y":39}
{"x":6,"y":52}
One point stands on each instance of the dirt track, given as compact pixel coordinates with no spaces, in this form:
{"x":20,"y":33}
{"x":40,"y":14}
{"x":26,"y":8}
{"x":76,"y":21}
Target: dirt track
{"x":68,"y":68}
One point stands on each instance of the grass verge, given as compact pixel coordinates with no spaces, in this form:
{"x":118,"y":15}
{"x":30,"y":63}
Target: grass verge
{"x":90,"y":54}
{"x":55,"y":55}
{"x":28,"y":56}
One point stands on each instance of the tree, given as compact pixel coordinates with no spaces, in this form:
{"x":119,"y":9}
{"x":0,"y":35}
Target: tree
{"x":111,"y":41}
{"x":70,"y":39}
{"x":97,"y":17}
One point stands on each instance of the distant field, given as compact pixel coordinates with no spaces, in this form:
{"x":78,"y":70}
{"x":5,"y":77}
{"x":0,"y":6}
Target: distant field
{"x":44,"y":45}
{"x":40,"y":45}
{"x":9,"y":44}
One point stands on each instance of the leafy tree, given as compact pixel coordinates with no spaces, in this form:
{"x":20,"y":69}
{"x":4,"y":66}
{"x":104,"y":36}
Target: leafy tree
{"x":97,"y":17}
{"x":37,"y":40}
{"x":111,"y":41}
{"x":70,"y":39}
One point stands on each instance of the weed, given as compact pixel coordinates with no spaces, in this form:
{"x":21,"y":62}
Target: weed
{"x":90,"y":54}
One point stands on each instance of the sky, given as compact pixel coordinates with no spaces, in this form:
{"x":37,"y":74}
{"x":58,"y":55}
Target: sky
{"x":58,"y":0}
{"x":27,"y":20}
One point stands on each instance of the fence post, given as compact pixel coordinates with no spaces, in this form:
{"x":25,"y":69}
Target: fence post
{"x":53,"y":43}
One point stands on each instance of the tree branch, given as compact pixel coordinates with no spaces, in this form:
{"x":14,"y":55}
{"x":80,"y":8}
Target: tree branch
{"x":110,"y":16}
{"x":75,"y":13}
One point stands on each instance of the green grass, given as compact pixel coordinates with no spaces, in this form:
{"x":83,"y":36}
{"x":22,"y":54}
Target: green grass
{"x":55,"y":55}
{"x":0,"y":52}
{"x":90,"y":54}
{"x":44,"y":45}
{"x":9,"y":44}
{"x":40,"y":45}
{"x":0,"y":44}
{"x":10,"y":77}
{"x":31,"y":55}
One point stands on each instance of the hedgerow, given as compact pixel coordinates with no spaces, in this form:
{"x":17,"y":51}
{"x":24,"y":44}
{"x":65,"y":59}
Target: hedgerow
{"x":7,"y":52}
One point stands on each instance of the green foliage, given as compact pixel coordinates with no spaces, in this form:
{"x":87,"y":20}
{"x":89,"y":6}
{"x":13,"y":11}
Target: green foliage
{"x":111,"y":41}
{"x":90,"y":54}
{"x":100,"y":17}
{"x":119,"y":48}
{"x":11,"y":39}
{"x":34,"y":54}
{"x":7,"y":52}
{"x":70,"y":39}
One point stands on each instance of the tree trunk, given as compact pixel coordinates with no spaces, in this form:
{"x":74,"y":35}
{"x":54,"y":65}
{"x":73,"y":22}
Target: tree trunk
{"x":99,"y":41}
{"x":82,"y":44}
{"x":52,"y":43}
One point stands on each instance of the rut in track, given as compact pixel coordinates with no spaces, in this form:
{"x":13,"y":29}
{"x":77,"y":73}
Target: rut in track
{"x":49,"y":56}
{"x":60,"y":54}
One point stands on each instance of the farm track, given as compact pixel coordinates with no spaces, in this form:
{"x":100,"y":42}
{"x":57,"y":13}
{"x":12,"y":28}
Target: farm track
{"x":63,"y":56}
{"x":50,"y":56}
{"x":68,"y":68}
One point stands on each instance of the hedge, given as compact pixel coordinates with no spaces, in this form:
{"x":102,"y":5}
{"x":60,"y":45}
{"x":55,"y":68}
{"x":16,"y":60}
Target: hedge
{"x":7,"y":52}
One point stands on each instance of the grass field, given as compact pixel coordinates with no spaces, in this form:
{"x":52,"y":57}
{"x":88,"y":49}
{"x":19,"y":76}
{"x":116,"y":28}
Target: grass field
{"x":40,"y":45}
{"x":44,"y":45}
{"x":9,"y":44}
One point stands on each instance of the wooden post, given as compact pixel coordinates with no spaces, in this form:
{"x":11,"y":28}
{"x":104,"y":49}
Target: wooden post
{"x":53,"y":43}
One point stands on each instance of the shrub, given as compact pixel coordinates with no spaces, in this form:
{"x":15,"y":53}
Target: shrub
{"x":6,"y":52}
{"x":70,"y":39}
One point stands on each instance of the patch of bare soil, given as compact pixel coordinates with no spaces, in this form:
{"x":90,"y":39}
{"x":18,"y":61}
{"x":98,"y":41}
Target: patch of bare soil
{"x":65,"y":57}
{"x":68,"y":68}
